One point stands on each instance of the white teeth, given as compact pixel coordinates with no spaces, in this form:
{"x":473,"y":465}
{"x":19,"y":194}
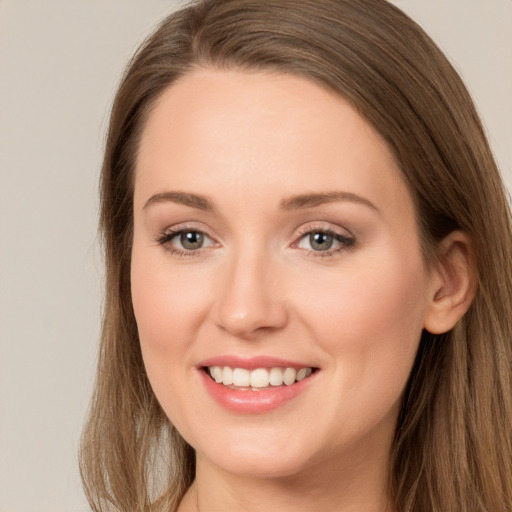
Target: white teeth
{"x":258,"y":378}
{"x":241,"y":377}
{"x":301,"y":374}
{"x":227,"y":376}
{"x":216,"y":373}
{"x":276,"y":376}
{"x":289,"y":376}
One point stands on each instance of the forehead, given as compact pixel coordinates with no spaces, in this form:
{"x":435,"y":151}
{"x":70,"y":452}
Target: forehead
{"x":221,"y":132}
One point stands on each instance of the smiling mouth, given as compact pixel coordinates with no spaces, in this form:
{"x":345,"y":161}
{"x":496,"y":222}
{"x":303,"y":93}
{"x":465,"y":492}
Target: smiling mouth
{"x":257,"y":379}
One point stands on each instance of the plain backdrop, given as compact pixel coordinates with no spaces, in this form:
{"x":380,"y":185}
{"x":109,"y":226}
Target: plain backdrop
{"x":60,"y":62}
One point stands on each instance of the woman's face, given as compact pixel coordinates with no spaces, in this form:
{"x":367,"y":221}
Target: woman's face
{"x":273,"y":230}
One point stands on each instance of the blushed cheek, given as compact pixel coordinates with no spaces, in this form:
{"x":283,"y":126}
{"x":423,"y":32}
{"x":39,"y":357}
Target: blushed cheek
{"x":151,"y":302}
{"x":372,"y":314}
{"x":157,"y":328}
{"x":168,"y":305}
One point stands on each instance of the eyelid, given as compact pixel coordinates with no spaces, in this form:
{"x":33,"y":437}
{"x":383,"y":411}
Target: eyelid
{"x":185,"y":226}
{"x":325,"y":227}
{"x":342,"y":235}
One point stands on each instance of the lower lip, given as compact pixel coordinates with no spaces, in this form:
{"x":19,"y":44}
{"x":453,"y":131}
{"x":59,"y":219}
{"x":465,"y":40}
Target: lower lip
{"x":252,"y":402}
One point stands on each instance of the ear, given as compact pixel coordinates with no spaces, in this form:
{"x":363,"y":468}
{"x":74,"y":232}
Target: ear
{"x":453,"y":283}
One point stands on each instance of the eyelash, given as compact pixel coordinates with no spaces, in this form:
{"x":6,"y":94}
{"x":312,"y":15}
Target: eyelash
{"x":167,"y":237}
{"x":347,"y":242}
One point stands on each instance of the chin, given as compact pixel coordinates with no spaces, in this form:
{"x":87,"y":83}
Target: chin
{"x":252,"y":464}
{"x":253,"y":454}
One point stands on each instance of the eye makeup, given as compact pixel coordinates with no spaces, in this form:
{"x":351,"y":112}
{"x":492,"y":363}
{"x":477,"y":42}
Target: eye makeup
{"x":317,"y":241}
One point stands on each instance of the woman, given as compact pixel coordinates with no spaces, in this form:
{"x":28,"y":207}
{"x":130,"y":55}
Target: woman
{"x":308,"y":251}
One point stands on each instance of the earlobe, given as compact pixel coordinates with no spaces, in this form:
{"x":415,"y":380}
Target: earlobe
{"x":453,"y":283}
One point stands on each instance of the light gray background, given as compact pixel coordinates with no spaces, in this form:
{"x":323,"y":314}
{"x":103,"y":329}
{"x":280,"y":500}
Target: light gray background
{"x":59,"y":64}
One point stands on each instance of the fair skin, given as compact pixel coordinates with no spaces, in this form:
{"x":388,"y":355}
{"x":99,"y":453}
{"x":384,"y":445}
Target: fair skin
{"x":232,"y":262}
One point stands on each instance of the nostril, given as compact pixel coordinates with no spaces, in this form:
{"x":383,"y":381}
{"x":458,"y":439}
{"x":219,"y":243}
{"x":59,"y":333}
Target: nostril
{"x":254,"y":321}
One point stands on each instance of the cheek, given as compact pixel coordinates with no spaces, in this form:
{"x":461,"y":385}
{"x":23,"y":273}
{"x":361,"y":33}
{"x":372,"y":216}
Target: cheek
{"x":369,"y":319}
{"x":167,"y":310}
{"x":167,"y":307}
{"x":380,"y":307}
{"x":166,"y":303}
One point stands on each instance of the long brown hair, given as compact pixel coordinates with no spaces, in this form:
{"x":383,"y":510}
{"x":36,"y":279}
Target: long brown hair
{"x":453,"y":445}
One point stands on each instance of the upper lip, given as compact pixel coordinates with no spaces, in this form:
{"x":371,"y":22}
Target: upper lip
{"x":252,"y":363}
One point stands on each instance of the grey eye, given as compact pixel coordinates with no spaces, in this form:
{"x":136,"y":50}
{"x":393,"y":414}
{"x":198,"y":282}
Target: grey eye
{"x":191,"y":240}
{"x":328,"y":242}
{"x":321,"y":241}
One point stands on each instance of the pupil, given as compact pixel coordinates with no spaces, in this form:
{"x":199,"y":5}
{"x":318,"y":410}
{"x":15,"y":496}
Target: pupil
{"x":321,"y":241}
{"x":192,"y":240}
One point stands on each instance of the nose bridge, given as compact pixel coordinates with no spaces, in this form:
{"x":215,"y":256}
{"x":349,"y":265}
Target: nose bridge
{"x":249,"y":298}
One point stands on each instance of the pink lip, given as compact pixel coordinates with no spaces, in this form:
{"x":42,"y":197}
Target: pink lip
{"x":251,"y":363}
{"x":248,"y":401}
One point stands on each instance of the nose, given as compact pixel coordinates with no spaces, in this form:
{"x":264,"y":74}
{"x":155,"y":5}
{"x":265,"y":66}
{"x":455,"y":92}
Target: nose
{"x":250,"y":299}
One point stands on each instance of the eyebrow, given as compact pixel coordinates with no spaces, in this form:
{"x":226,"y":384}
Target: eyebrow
{"x":316,"y":199}
{"x":184,"y":198}
{"x":298,"y":202}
